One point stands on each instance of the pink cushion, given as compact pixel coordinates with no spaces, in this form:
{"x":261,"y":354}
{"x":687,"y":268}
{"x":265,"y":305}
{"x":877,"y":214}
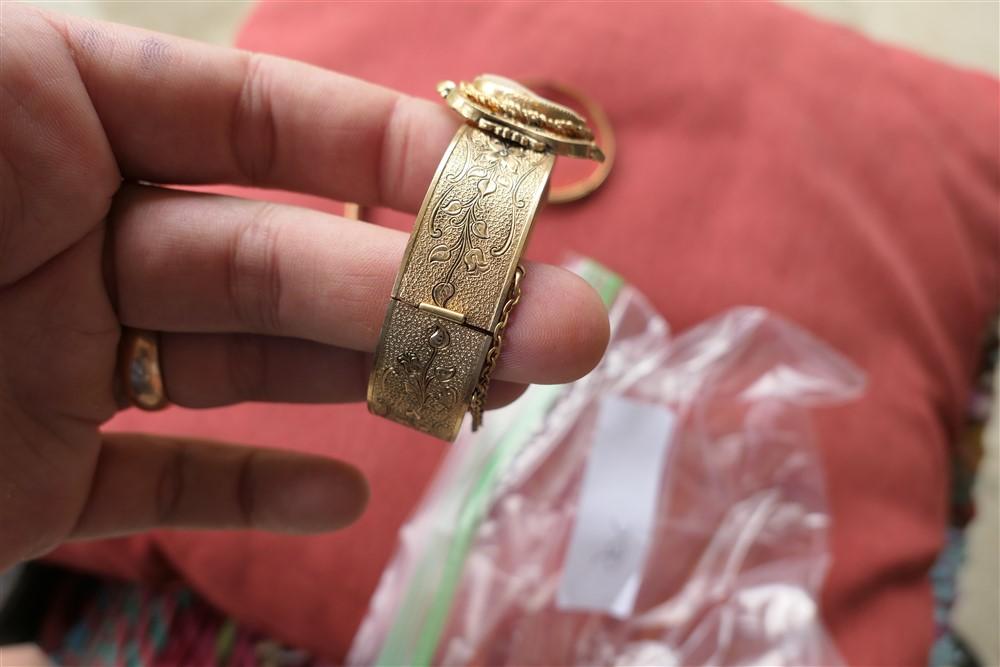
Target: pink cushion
{"x":765,"y":158}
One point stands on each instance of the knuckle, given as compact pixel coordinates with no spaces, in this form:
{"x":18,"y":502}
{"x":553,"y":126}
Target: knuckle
{"x":247,"y":367}
{"x":253,"y":126}
{"x":170,"y":485}
{"x":254,"y":272}
{"x":245,"y":489}
{"x":9,"y":212}
{"x":394,"y":152}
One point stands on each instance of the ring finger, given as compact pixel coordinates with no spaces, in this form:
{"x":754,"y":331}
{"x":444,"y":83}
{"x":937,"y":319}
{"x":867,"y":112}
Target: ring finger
{"x":209,"y":370}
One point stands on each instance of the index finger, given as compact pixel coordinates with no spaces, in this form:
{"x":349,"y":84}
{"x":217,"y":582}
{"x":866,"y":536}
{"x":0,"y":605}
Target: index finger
{"x":182,"y":112}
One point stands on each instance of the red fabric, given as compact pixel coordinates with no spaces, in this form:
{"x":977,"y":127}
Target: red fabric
{"x":765,"y":158}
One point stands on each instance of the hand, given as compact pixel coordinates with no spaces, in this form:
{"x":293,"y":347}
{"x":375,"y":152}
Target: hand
{"x":256,"y":301}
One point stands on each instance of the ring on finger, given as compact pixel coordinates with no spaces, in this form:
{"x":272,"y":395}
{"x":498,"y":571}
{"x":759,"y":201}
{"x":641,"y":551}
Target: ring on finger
{"x":139,"y":364}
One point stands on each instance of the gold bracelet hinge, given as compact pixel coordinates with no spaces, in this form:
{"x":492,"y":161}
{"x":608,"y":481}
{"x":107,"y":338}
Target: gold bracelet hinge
{"x":457,"y":285}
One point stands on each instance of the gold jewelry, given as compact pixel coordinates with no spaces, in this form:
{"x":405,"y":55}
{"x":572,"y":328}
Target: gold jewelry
{"x":460,"y":277}
{"x":352,"y":210}
{"x":570,"y":192}
{"x":142,"y":378}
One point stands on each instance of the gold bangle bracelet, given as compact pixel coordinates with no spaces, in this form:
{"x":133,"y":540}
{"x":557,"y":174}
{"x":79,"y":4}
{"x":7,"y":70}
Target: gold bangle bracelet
{"x":460,"y":276}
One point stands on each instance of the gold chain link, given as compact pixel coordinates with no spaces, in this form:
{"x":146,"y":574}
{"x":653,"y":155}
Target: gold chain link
{"x":478,"y":402}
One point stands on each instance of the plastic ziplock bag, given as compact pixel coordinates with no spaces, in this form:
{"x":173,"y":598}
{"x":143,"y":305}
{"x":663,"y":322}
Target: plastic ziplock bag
{"x":725,"y":569}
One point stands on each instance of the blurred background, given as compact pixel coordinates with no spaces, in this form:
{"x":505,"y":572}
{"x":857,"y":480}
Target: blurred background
{"x":965,"y":33}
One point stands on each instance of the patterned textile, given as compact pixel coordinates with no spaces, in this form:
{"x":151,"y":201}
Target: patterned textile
{"x":948,"y":650}
{"x":8,"y":579}
{"x":98,"y":623}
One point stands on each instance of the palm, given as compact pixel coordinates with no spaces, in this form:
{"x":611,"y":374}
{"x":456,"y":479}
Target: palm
{"x":58,"y":348}
{"x":59,"y":330}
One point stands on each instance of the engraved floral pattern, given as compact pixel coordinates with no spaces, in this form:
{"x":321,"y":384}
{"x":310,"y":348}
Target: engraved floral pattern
{"x":492,"y":169}
{"x":426,"y":385}
{"x":461,"y":257}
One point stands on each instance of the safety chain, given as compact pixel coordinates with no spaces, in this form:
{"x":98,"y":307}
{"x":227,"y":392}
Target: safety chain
{"x":478,"y":402}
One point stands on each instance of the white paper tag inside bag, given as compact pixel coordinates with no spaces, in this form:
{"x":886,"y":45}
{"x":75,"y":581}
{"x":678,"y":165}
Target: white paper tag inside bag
{"x":617,"y":507}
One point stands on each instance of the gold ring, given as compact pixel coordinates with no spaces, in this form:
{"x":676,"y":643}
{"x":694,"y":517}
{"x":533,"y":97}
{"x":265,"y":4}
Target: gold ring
{"x":142,"y":378}
{"x":460,"y":277}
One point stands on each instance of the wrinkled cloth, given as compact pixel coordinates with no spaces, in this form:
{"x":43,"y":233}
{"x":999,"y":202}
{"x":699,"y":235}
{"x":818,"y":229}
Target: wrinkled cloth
{"x":765,"y":158}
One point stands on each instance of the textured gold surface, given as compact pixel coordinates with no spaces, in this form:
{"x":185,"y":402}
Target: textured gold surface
{"x":516,"y":115}
{"x":456,"y":287}
{"x":426,"y":369}
{"x":462,"y":256}
{"x":473,"y":226}
{"x":508,"y":98}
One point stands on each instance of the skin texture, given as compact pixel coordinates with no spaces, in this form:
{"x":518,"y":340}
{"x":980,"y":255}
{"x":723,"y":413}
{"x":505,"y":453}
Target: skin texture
{"x":256,"y":301}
